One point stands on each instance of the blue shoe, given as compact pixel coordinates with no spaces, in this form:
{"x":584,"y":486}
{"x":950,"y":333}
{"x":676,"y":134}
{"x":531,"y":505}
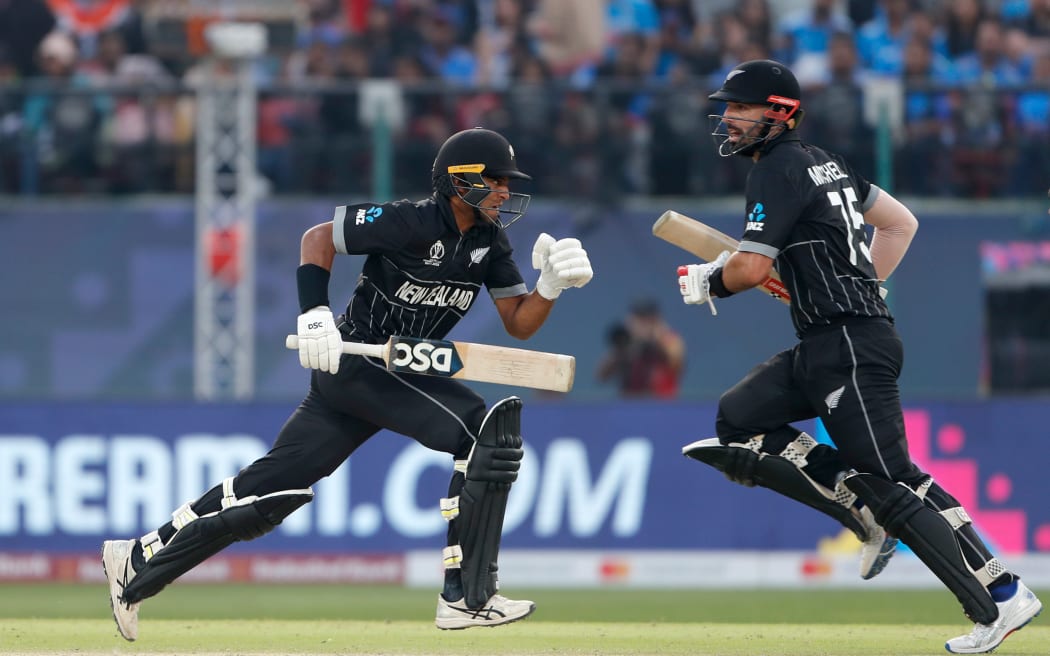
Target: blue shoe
{"x":877,"y":549}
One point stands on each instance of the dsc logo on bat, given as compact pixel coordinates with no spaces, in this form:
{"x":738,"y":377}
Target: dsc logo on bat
{"x":435,"y":357}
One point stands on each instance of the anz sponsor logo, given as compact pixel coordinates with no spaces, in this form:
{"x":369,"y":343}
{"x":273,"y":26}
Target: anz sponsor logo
{"x":756,"y":217}
{"x":438,"y":296}
{"x":420,"y":356}
{"x":369,"y":215}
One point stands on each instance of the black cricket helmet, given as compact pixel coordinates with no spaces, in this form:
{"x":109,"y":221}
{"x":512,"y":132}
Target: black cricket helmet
{"x":467,"y":156}
{"x":758,"y":82}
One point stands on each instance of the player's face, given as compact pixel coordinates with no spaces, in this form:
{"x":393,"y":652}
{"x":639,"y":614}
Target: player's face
{"x":743,"y":122}
{"x":499,"y":192}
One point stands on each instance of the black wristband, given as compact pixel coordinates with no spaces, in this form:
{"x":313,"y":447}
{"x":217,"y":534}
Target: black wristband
{"x":716,"y":286}
{"x":312,"y":281}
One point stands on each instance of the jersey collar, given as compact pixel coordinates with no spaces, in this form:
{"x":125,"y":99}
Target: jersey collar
{"x":445,"y":210}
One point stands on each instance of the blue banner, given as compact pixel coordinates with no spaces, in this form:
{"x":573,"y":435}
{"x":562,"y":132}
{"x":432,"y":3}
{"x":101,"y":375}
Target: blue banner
{"x":595,"y":476}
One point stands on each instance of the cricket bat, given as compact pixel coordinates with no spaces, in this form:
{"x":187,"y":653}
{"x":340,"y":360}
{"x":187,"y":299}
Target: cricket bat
{"x":707,"y":243}
{"x":483,"y":363}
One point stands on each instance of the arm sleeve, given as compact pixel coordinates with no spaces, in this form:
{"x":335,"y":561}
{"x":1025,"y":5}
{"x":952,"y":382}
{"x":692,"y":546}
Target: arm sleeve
{"x":773,"y":207}
{"x":365,"y":229}
{"x":503,"y":279}
{"x":894,"y":225}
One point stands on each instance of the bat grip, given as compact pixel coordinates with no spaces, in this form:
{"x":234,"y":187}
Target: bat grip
{"x":349,"y":348}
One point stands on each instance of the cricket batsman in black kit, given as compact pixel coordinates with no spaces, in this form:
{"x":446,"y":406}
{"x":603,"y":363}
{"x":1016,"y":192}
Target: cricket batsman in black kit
{"x":426,"y":263}
{"x":806,"y":215}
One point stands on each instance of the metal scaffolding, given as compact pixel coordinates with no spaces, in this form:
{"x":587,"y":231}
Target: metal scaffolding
{"x":224,"y":345}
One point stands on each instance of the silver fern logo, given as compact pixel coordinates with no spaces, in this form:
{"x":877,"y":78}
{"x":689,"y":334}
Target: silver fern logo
{"x":478,"y":254}
{"x":832,"y":400}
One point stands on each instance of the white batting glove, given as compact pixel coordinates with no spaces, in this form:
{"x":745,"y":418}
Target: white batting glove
{"x":562,"y":264}
{"x":320,"y":343}
{"x":694,"y":281}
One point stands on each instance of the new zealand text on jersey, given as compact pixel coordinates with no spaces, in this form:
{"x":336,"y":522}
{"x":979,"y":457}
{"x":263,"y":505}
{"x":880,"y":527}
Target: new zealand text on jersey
{"x":440,"y":295}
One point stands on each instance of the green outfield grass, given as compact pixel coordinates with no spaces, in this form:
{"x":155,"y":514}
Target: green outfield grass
{"x":292,"y":619}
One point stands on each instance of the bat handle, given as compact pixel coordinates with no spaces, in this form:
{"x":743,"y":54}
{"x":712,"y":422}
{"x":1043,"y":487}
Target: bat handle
{"x":683,"y":270}
{"x":350,"y":348}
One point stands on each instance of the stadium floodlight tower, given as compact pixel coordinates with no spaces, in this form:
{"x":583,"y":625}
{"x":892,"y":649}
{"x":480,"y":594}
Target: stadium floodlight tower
{"x":224,"y":307}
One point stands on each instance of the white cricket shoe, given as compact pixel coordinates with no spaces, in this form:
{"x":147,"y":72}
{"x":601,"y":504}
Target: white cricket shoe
{"x":1014,"y":613}
{"x":877,"y":549}
{"x":496,"y":611}
{"x":116,"y":561}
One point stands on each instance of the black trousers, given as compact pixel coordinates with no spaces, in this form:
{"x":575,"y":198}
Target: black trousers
{"x":341,"y":412}
{"x":845,"y":374}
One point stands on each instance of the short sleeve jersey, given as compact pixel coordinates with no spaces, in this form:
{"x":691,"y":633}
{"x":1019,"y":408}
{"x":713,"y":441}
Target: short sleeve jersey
{"x":805,"y":209}
{"x":421,"y":274}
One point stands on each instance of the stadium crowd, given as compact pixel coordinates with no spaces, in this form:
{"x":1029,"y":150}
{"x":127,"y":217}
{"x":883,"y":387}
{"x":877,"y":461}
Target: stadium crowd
{"x":600,"y":97}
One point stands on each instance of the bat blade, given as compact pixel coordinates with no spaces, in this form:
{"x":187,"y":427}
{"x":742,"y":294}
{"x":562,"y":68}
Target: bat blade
{"x":707,"y":243}
{"x":513,"y":366}
{"x":482,"y":363}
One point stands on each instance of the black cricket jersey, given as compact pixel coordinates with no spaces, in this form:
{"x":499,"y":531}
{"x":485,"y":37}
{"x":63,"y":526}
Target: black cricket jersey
{"x":805,"y":210}
{"x":421,"y":274}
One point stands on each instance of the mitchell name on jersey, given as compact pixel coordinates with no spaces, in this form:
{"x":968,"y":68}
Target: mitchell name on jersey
{"x":437,"y":295}
{"x":822,"y":174}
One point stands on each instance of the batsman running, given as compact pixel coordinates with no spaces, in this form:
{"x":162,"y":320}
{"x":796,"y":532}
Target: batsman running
{"x":807,"y":212}
{"x":426,"y":263}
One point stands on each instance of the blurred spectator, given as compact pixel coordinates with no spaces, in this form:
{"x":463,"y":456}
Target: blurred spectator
{"x":981,"y":114}
{"x":757,"y":21}
{"x":314,"y":63}
{"x":500,"y":42}
{"x":64,"y":124}
{"x":328,"y":23}
{"x":1018,"y":52}
{"x":441,"y":51}
{"x":342,"y":152}
{"x":963,"y":17}
{"x":134,"y":130}
{"x":922,"y":164}
{"x":379,"y":39}
{"x":532,"y":105}
{"x":429,"y":123}
{"x":861,"y":11}
{"x":880,"y":41}
{"x":635,"y":25}
{"x":10,"y":123}
{"x":988,"y":63}
{"x":733,"y":43}
{"x":23,"y":25}
{"x":682,"y":146}
{"x":835,"y":106}
{"x":679,"y":39}
{"x":576,"y":135}
{"x":1032,"y":120}
{"x":569,"y":35}
{"x":1037,"y":22}
{"x":645,"y":356}
{"x":807,"y":34}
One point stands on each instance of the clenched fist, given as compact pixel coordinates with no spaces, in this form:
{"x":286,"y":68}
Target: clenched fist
{"x":562,"y":264}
